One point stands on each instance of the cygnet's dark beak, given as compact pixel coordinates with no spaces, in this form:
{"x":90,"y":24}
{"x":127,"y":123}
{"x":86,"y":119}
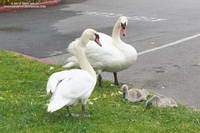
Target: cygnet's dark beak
{"x":97,"y":40}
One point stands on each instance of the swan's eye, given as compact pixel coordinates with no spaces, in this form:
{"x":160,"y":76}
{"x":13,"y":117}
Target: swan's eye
{"x":123,"y":25}
{"x":97,"y":40}
{"x":96,"y":36}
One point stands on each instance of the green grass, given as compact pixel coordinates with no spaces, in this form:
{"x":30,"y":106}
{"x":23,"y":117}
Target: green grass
{"x":23,"y":107}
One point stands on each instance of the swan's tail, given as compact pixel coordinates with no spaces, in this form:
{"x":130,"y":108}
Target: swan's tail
{"x":70,"y":65}
{"x":72,"y":62}
{"x":55,"y":105}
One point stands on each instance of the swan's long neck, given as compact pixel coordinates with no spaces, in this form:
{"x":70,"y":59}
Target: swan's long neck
{"x":126,"y":49}
{"x":125,"y":94}
{"x":116,"y":32}
{"x":83,"y":61}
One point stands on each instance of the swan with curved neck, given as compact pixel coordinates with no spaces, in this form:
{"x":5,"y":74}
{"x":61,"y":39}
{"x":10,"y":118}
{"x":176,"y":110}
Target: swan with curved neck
{"x":128,"y":51}
{"x":114,"y":56}
{"x":70,"y":86}
{"x":87,"y":35}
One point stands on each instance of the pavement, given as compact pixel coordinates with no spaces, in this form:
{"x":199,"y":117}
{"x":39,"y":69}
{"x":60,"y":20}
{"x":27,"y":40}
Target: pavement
{"x":165,"y":33}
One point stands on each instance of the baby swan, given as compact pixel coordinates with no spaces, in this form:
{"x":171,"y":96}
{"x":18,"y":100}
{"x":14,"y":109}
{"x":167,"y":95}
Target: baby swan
{"x":161,"y":101}
{"x":134,"y":95}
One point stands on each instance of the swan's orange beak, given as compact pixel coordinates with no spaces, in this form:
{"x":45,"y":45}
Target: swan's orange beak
{"x":98,"y":42}
{"x":124,"y":31}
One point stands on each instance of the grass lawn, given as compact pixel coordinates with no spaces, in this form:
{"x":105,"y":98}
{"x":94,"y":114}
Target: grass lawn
{"x":23,"y":106}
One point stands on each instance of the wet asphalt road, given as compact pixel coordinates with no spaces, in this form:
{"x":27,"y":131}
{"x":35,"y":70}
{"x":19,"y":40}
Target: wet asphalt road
{"x":172,"y":71}
{"x":31,"y":32}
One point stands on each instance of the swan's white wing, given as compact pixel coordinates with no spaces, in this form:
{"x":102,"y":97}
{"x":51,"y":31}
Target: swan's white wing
{"x":91,"y":48}
{"x":55,"y":79}
{"x":100,"y":57}
{"x":78,"y":85}
{"x":103,"y":57}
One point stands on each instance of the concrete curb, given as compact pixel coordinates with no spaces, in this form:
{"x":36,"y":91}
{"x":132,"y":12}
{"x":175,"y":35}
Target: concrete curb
{"x":31,"y":57}
{"x":31,"y":6}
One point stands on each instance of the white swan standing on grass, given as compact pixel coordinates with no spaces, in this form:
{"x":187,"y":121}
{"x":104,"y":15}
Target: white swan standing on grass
{"x":114,"y":56}
{"x":70,"y":86}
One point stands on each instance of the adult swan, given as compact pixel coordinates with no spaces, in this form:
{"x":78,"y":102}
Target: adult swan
{"x":69,"y":87}
{"x":114,"y":56}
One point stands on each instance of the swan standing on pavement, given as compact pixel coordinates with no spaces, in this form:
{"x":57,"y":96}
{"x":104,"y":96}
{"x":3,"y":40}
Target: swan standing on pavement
{"x":114,"y":56}
{"x":70,"y":86}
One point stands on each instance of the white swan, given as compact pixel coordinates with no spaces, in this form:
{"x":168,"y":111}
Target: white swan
{"x":69,"y":87}
{"x":114,"y":56}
